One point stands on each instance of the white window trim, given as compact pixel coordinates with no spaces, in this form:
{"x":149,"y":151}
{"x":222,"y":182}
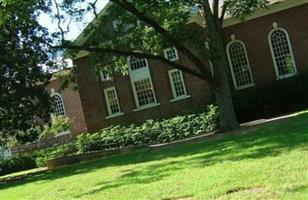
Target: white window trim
{"x":146,"y":107}
{"x":273,"y":55}
{"x":101,"y":74}
{"x":58,"y":94}
{"x":252,"y":84}
{"x":176,"y":53}
{"x":63,"y":133}
{"x":115,"y":115}
{"x":146,"y":74}
{"x":180,"y":98}
{"x":110,"y":114}
{"x":175,"y":98}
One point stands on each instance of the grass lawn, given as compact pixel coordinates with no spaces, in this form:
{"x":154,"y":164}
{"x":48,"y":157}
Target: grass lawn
{"x":271,"y":162}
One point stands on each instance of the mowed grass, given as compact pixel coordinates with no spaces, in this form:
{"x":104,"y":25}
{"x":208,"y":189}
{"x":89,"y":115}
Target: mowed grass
{"x":265,"y":162}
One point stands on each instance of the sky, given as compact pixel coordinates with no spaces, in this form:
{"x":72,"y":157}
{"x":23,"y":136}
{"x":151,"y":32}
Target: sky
{"x":75,"y":28}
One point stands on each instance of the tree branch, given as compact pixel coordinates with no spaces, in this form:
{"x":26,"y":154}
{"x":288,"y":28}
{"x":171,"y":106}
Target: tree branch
{"x":222,"y":15}
{"x":124,"y":4}
{"x":215,"y":8}
{"x":135,"y":54}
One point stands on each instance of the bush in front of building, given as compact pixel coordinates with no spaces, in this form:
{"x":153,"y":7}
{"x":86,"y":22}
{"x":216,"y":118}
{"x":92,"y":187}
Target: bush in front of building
{"x":283,"y":96}
{"x":150,"y":132}
{"x":17,"y":163}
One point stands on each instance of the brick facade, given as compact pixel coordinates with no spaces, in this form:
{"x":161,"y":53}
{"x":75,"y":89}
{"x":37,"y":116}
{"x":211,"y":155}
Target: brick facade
{"x":254,"y":33}
{"x":72,"y":105}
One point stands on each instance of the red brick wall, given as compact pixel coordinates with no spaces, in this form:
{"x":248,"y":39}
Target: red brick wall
{"x":73,"y":108}
{"x":94,"y":105}
{"x":253,"y":33}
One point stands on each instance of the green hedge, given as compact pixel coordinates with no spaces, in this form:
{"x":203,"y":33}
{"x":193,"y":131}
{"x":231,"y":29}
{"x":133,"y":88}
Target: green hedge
{"x":17,"y":163}
{"x":150,"y":132}
{"x":282,"y":96}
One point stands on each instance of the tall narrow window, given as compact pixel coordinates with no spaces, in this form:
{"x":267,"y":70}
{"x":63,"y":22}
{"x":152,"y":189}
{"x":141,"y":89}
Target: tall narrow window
{"x":144,"y":92}
{"x":171,"y":54}
{"x":239,"y":64}
{"x":112,"y":101}
{"x":141,"y":83}
{"x":57,"y":105}
{"x":282,"y":53}
{"x":177,"y":84}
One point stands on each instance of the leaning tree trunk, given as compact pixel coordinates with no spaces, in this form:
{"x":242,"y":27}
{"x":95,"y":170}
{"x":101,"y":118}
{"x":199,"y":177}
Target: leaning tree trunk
{"x":222,"y":89}
{"x":227,"y":115}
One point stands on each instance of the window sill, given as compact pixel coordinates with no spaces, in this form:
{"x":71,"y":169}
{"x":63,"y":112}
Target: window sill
{"x":246,"y":86}
{"x":63,"y":133}
{"x":287,"y":76}
{"x":146,"y":107}
{"x":180,"y":98}
{"x":114,"y":115}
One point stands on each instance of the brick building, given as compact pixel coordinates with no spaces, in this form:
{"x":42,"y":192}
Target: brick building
{"x":271,"y":45}
{"x":66,"y":102}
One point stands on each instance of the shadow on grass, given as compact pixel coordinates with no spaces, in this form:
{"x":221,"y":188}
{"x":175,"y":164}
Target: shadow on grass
{"x":267,"y":140}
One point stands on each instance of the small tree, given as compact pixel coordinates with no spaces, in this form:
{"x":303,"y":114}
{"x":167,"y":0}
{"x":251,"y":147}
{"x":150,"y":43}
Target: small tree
{"x":150,"y":26}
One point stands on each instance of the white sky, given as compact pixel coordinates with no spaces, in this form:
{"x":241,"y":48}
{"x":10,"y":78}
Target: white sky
{"x":75,"y":28}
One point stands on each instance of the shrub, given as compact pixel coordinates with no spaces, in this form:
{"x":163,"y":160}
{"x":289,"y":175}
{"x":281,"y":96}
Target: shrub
{"x":43,"y":155}
{"x":150,"y":132}
{"x":271,"y":100}
{"x":17,"y":163}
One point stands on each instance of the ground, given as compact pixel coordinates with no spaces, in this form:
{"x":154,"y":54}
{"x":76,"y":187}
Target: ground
{"x":265,"y":162}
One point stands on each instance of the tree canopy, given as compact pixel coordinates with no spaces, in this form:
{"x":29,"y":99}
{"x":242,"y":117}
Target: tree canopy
{"x":23,"y":53}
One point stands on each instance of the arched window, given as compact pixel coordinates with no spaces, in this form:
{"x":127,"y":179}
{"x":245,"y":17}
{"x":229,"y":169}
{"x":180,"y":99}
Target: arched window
{"x":282,"y":53}
{"x":239,"y":64}
{"x":57,"y":105}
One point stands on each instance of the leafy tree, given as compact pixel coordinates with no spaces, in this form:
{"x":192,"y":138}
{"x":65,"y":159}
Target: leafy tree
{"x":144,"y":28}
{"x":23,"y":53}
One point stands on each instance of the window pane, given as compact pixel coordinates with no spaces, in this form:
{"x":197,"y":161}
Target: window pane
{"x":144,"y":92}
{"x":239,"y":64}
{"x":171,"y":54}
{"x":104,"y":75}
{"x":137,"y":63}
{"x":282,"y":53}
{"x":178,"y":83}
{"x":57,"y":105}
{"x":113,"y":103}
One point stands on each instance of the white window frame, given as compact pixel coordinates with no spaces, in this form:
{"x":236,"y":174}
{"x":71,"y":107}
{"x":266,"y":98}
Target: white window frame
{"x":63,"y":105}
{"x":138,"y":75}
{"x":232,"y":68}
{"x":273,"y":55}
{"x":66,"y":132}
{"x":176,"y":53}
{"x":110,"y":114}
{"x":104,"y":77}
{"x":175,"y":97}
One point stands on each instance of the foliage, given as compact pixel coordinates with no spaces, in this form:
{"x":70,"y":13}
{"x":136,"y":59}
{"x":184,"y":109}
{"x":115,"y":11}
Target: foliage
{"x":59,"y":124}
{"x":43,"y":155}
{"x":17,"y":163}
{"x":265,"y":162}
{"x":150,"y":132}
{"x":283,"y":96}
{"x":143,"y":29}
{"x":23,"y":53}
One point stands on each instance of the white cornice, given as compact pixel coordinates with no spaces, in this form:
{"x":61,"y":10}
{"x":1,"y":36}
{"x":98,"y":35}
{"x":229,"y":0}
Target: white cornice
{"x":277,"y":6}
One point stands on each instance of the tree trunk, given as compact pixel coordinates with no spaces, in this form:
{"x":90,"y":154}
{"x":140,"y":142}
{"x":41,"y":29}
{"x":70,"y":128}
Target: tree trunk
{"x":222,"y":89}
{"x":227,"y":115}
